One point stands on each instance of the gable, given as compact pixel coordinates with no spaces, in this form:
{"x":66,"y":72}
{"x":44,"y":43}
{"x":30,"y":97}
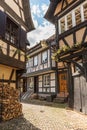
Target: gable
{"x":19,"y":10}
{"x":61,"y":5}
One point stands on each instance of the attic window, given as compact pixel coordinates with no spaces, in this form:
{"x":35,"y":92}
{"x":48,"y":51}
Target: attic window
{"x":62,"y":25}
{"x":72,"y":19}
{"x":78,"y":16}
{"x":69,"y":21}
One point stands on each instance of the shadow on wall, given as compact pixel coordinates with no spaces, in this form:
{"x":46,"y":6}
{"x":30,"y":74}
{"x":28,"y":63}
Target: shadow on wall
{"x":17,"y":124}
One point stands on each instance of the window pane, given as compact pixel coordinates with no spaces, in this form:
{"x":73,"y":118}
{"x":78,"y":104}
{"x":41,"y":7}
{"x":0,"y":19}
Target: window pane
{"x":85,"y":11}
{"x":69,"y":21}
{"x":46,"y":80}
{"x":62,"y":25}
{"x":35,"y":60}
{"x":44,"y":57}
{"x":7,"y":36}
{"x":78,"y":16}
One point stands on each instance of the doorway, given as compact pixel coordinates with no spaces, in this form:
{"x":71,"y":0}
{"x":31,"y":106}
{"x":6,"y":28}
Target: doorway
{"x":36,"y":84}
{"x":63,"y":82}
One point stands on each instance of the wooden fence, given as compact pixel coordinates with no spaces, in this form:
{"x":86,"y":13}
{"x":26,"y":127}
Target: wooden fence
{"x":80,"y":93}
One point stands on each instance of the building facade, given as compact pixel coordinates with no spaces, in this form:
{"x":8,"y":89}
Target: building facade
{"x":42,"y":70}
{"x":70,"y":19}
{"x":15,"y":22}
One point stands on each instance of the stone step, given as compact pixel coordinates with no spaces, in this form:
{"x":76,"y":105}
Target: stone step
{"x":59,"y":100}
{"x":62,"y":94}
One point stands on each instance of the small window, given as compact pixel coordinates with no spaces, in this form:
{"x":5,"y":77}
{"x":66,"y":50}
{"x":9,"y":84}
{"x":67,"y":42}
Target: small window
{"x":62,"y":24}
{"x":35,"y":61}
{"x":46,"y":80}
{"x":44,"y":57}
{"x":78,"y":16}
{"x":85,"y":11}
{"x":69,"y":21}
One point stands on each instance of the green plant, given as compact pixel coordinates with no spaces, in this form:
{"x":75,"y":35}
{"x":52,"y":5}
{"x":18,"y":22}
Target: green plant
{"x":64,"y":48}
{"x":44,"y":43}
{"x":28,"y":57}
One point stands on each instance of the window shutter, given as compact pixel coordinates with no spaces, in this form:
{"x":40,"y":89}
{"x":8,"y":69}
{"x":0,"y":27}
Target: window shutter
{"x":22,"y":39}
{"x":2,"y":24}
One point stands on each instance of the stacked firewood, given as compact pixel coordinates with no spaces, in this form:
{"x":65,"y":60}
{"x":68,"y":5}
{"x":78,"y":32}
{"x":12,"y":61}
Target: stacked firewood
{"x":10,"y":106}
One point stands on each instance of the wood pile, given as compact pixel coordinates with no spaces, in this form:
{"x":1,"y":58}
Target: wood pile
{"x":10,"y":106}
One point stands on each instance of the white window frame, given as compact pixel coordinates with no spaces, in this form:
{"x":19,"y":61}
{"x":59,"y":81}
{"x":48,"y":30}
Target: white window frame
{"x":80,"y":13}
{"x":73,"y":17}
{"x":46,"y":80}
{"x":45,"y":56}
{"x":83,"y":8}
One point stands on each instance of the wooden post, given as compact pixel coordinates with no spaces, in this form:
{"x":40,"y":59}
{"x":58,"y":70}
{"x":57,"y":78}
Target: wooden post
{"x":57,"y":47}
{"x":70,"y":87}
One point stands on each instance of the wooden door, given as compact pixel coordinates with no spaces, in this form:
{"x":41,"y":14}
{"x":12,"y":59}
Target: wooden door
{"x":63,"y":82}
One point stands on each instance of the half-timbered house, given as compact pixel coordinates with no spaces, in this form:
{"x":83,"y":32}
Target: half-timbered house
{"x":41,"y":69}
{"x":15,"y":22}
{"x":70,"y":19}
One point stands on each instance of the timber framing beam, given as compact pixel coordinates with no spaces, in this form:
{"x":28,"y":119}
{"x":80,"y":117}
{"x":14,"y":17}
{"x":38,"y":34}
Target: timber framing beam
{"x":10,"y":78}
{"x":10,"y":61}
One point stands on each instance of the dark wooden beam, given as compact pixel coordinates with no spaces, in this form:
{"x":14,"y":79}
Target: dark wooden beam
{"x":84,"y":36}
{"x":10,"y":78}
{"x":7,"y":81}
{"x":10,"y":61}
{"x":65,"y":42}
{"x":62,"y":4}
{"x":14,"y":54}
{"x":78,"y":65}
{"x":74,"y":37}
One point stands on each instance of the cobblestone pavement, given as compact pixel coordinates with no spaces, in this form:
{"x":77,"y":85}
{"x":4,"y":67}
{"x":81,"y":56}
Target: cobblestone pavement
{"x":46,"y":117}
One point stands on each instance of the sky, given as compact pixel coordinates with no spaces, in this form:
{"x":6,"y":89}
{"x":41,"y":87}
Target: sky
{"x":43,"y":28}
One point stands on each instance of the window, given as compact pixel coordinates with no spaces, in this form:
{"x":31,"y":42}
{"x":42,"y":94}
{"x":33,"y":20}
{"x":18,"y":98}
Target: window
{"x":44,"y":57}
{"x":73,"y":18}
{"x":62,"y":24}
{"x":78,"y":16}
{"x":46,"y":80}
{"x":85,"y":11}
{"x":11,"y":31}
{"x":35,"y":61}
{"x":69,"y":21}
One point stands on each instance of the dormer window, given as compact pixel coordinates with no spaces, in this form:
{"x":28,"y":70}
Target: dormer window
{"x":44,"y":57}
{"x":11,"y":33}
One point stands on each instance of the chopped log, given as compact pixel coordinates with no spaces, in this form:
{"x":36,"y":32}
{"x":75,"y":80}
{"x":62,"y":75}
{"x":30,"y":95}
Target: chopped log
{"x":11,"y":108}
